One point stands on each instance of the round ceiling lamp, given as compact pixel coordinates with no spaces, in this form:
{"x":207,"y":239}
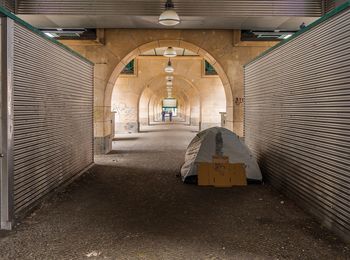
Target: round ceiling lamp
{"x":170,"y":52}
{"x":169,"y":17}
{"x":169,"y":68}
{"x":169,"y":83}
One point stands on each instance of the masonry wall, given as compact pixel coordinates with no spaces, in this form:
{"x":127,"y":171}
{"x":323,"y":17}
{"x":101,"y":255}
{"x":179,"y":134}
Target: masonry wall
{"x":203,"y":95}
{"x":221,"y":47}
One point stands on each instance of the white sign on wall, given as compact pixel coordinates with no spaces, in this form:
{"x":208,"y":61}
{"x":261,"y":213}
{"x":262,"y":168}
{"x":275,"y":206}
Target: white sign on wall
{"x":170,"y":102}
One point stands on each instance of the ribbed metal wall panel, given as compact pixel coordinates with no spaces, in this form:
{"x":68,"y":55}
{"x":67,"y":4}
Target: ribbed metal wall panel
{"x":9,"y":4}
{"x":53,"y":116}
{"x":297,"y":119}
{"x":329,"y":5}
{"x":231,"y":8}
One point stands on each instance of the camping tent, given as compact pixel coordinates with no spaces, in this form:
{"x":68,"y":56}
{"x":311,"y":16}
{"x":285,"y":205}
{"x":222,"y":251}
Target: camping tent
{"x":203,"y":146}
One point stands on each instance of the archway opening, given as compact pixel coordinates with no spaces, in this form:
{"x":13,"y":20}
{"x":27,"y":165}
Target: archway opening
{"x":140,"y":90}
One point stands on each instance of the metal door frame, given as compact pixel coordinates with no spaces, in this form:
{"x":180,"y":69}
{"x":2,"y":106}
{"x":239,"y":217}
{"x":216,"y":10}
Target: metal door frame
{"x":6,"y":129}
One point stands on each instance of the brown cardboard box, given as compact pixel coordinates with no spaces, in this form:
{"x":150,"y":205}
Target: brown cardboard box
{"x":221,"y":174}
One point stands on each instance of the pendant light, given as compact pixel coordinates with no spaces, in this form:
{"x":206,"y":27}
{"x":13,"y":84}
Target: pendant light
{"x":169,"y":68}
{"x":169,"y":77}
{"x":170,"y":52}
{"x":169,"y":17}
{"x":169,"y":83}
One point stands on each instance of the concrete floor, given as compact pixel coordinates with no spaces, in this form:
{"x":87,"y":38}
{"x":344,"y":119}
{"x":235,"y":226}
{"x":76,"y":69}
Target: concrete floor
{"x":131,"y":206}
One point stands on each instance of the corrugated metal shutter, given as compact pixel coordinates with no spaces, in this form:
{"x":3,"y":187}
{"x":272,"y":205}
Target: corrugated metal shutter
{"x":329,"y":5}
{"x":226,"y":8}
{"x":297,"y":119}
{"x":8,"y":4}
{"x":53,"y":116}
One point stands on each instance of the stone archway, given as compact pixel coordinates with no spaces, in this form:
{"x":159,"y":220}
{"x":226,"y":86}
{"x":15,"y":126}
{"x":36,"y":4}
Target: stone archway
{"x":150,"y":72}
{"x":191,"y":102}
{"x":220,"y":47}
{"x":174,"y":43}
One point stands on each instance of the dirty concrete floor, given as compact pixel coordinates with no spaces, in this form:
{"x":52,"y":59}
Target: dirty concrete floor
{"x":131,"y":206}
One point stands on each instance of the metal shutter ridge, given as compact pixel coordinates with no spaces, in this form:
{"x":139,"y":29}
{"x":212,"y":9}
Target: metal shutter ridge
{"x":329,"y":5}
{"x":232,"y":8}
{"x":53,"y":116}
{"x":297,"y":118}
{"x":9,"y":4}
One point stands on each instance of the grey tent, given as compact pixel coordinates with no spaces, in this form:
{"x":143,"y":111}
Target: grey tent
{"x":203,"y":147}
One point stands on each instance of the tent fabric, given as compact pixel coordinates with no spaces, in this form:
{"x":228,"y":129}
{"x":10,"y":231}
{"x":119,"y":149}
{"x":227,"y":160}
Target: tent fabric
{"x":203,"y":147}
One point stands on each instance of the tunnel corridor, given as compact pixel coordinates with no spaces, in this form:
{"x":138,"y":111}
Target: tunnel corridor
{"x":142,"y":87}
{"x":108,"y":109}
{"x":131,"y":205}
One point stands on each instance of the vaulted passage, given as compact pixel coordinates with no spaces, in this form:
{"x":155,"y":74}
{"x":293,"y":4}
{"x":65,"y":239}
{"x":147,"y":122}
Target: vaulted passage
{"x":194,"y":87}
{"x":174,"y":129}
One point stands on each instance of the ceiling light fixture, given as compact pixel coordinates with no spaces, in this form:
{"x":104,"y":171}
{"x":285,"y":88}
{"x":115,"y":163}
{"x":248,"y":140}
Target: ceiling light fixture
{"x":169,"y":17}
{"x":170,"y":52}
{"x":51,"y":35}
{"x":287,"y":36}
{"x":169,"y":68}
{"x":169,"y":83}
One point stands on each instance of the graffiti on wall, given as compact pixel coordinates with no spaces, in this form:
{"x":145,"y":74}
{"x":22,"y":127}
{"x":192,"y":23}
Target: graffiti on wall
{"x":124,"y":112}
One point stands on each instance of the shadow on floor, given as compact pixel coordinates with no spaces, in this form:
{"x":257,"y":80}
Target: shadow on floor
{"x":122,"y":138}
{"x":140,"y":151}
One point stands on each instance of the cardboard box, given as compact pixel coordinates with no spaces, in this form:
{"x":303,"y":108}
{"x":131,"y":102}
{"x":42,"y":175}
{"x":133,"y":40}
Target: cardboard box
{"x":221,"y":174}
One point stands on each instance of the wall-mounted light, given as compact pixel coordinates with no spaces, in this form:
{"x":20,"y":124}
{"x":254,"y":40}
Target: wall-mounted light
{"x":169,"y":17}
